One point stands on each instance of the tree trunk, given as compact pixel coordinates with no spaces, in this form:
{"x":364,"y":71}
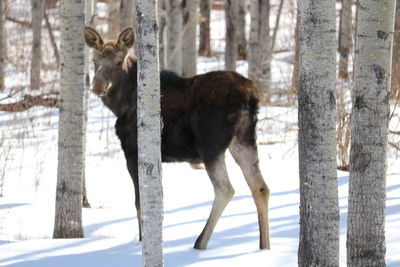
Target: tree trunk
{"x":296,"y":65}
{"x":395,"y":88}
{"x":319,"y":208}
{"x":241,"y":30}
{"x":345,"y":38}
{"x":369,"y":133}
{"x":68,"y":216}
{"x":174,"y":35}
{"x":231,"y":10}
{"x":189,"y":53}
{"x":37,"y":17}
{"x":128,"y":17}
{"x":260,"y":49}
{"x":162,"y":22}
{"x":2,"y":44}
{"x":149,"y":134}
{"x":204,"y":38}
{"x":89,"y":21}
{"x":114,"y":19}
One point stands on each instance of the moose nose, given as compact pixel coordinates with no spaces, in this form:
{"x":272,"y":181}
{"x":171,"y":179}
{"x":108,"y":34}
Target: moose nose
{"x":101,"y":84}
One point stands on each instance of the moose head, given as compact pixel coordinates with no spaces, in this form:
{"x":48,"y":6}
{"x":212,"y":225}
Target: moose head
{"x":109,"y":58}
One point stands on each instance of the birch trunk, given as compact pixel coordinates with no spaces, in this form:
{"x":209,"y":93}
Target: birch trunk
{"x":149,"y":134}
{"x":2,"y":44}
{"x":89,"y":21}
{"x":319,"y":208}
{"x":345,"y":38}
{"x":260,"y":49}
{"x":189,"y":53}
{"x":37,"y":18}
{"x":204,"y":38}
{"x":174,"y":35}
{"x":231,"y":10}
{"x":68,"y":216}
{"x":162,"y":22}
{"x":369,"y":134}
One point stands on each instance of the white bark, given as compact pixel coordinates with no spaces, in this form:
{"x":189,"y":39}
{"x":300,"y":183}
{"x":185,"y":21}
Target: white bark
{"x":370,"y":114}
{"x":2,"y":44}
{"x":68,"y":219}
{"x":162,"y":23}
{"x":149,"y":134}
{"x":189,"y":53}
{"x":231,"y":10}
{"x":260,"y":53}
{"x":174,"y":35}
{"x":319,"y":208}
{"x":37,"y":18}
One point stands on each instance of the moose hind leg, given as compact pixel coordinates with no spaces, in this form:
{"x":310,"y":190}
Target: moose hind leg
{"x":223,"y":194}
{"x":246,"y":156}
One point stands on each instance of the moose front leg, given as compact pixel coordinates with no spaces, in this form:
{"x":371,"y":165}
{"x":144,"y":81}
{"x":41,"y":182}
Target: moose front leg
{"x":133,"y":171}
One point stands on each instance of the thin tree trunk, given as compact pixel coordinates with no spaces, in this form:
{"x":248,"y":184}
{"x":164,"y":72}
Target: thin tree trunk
{"x":189,"y":51}
{"x":319,"y":208}
{"x":114,"y":18}
{"x":37,"y":17}
{"x":2,"y":44}
{"x":89,"y":21}
{"x":231,"y":10}
{"x":52,"y":39}
{"x":369,"y":134}
{"x":395,"y":88}
{"x":278,"y":17}
{"x":204,"y":38}
{"x":162,"y":23}
{"x":260,"y":53}
{"x":241,"y":30}
{"x":345,"y":38}
{"x":68,"y":216}
{"x":296,"y":65}
{"x":149,"y":134}
{"x":174,"y":35}
{"x":128,"y":10}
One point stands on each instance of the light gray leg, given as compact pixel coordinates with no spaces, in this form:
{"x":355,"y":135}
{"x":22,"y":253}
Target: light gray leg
{"x":223,"y":194}
{"x":247,"y":158}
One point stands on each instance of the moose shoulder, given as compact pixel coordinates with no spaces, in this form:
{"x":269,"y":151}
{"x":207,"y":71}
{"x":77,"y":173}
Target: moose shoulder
{"x":202,"y":117}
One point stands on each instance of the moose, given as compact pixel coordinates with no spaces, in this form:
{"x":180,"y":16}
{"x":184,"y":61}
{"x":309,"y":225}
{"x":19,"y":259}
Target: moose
{"x":202,"y":117}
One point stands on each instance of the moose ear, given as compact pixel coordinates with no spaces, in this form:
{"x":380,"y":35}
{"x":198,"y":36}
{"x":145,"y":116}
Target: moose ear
{"x":126,"y":38}
{"x":93,"y":38}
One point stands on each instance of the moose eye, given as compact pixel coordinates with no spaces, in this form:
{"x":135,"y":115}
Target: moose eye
{"x":119,"y":63}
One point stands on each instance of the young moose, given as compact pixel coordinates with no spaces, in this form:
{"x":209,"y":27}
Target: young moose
{"x":203,"y":116}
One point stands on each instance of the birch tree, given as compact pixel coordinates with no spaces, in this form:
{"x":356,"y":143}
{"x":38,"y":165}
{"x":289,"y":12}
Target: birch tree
{"x":204,"y":37}
{"x":369,"y":134}
{"x":319,"y":208}
{"x":114,"y":18}
{"x":174,"y":35}
{"x":345,"y":38}
{"x":260,"y":53}
{"x":189,"y":53}
{"x":162,"y":23}
{"x":149,"y":134}
{"x":68,"y":215}
{"x":395,"y":84}
{"x":231,"y":10}
{"x":36,"y":61}
{"x":2,"y":44}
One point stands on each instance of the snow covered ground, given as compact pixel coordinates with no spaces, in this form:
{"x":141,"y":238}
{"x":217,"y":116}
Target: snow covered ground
{"x":27,"y":205}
